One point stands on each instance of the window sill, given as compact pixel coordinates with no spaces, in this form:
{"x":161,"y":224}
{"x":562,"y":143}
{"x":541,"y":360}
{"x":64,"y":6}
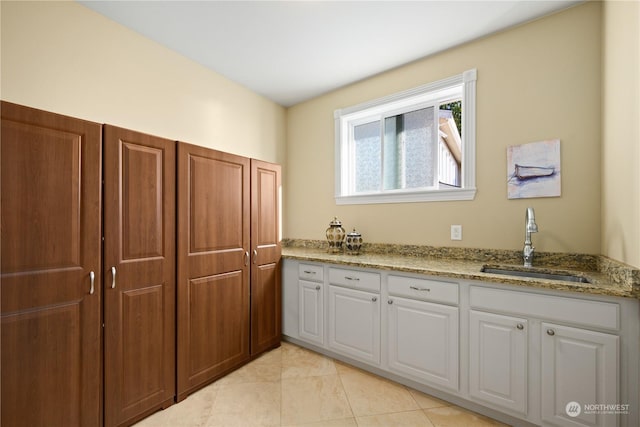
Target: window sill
{"x":442,"y":195}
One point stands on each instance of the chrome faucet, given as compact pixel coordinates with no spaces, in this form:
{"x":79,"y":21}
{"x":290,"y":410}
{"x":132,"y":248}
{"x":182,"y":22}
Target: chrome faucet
{"x":530,"y":227}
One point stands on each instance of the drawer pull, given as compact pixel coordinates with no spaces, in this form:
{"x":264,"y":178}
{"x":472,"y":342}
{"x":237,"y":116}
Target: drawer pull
{"x":357,"y":279}
{"x":374,"y":299}
{"x":309,"y":272}
{"x":317,"y":287}
{"x":415,"y":288}
{"x":520,"y":326}
{"x":551,"y":332}
{"x":390,"y":301}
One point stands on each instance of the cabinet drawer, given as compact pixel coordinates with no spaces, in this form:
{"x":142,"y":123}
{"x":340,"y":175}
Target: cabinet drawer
{"x":582,"y":312}
{"x":355,"y":279}
{"x":310,"y":272}
{"x":423,"y":289}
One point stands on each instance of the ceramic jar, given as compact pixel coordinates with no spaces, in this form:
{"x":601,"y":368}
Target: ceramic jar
{"x":353,"y":242}
{"x":335,"y":236}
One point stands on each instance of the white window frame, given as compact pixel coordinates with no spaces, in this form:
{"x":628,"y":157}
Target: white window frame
{"x":346,"y":118}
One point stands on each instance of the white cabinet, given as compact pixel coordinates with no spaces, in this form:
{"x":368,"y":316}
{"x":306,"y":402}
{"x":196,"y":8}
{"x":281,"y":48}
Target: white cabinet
{"x":579,"y":367}
{"x":498,"y":360}
{"x":311,"y":311}
{"x":354,"y":323}
{"x":423,"y":289}
{"x":526,"y":353}
{"x":363,"y":280}
{"x":311,"y":272}
{"x":290,"y":319}
{"x":423,"y":341}
{"x":311,"y":303}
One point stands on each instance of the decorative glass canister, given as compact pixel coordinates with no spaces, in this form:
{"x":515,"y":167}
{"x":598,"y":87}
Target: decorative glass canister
{"x":335,"y":236}
{"x":353,"y":242}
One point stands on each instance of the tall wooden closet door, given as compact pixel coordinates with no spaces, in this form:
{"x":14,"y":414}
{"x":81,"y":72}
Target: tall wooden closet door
{"x":266,"y":252}
{"x":139,"y":274}
{"x":50,"y":274}
{"x":213,"y":265}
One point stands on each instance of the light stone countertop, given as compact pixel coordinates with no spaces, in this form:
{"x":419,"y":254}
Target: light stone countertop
{"x":607,"y":277}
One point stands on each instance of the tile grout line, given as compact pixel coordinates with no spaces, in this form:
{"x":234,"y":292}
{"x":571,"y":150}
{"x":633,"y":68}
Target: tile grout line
{"x":346,"y":395}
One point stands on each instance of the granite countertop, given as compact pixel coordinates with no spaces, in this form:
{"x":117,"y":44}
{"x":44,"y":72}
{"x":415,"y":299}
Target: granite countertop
{"x":607,"y":277}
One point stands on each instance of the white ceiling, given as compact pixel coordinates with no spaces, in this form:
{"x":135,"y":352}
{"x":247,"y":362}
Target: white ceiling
{"x":291,"y":51}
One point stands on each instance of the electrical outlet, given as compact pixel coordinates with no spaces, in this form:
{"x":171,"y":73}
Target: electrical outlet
{"x":456,"y":232}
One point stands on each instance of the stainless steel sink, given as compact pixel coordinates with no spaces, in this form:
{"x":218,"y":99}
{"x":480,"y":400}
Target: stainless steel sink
{"x":565,"y":276}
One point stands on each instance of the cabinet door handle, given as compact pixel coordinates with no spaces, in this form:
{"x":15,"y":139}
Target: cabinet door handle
{"x":309,"y":272}
{"x":520,"y":326}
{"x":390,"y":301}
{"x":357,"y":279}
{"x":92,"y":279}
{"x":317,"y":287}
{"x":255,"y":256}
{"x":551,"y":332}
{"x":374,"y":299}
{"x":113,"y":277}
{"x":415,"y":288}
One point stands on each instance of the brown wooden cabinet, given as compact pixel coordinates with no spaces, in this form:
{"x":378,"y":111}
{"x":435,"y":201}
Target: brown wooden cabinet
{"x":51,"y":283}
{"x":139,"y":273}
{"x":266,"y":250}
{"x":228,"y":263}
{"x":213,"y":265}
{"x":186,"y":290}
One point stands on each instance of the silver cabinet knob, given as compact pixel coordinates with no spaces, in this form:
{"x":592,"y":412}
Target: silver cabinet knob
{"x":374,"y":299}
{"x":390,"y":301}
{"x":551,"y":332}
{"x":520,"y":326}
{"x":317,"y":287}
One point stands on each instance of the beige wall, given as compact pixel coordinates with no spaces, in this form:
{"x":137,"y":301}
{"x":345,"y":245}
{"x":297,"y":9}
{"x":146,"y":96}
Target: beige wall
{"x":535,"y":82}
{"x":63,"y":57}
{"x":621,"y":131}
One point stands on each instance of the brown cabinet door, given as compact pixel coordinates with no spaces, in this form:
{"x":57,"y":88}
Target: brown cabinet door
{"x":139,"y":274}
{"x":50,"y":310}
{"x":266,"y":251}
{"x":213,"y":265}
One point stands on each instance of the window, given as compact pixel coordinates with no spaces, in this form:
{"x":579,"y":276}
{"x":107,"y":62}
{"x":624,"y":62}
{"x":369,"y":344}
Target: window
{"x":417,"y":145}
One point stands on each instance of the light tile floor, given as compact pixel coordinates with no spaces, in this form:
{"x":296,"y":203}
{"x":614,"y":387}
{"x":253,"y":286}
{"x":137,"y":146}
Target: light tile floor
{"x":292,"y":386}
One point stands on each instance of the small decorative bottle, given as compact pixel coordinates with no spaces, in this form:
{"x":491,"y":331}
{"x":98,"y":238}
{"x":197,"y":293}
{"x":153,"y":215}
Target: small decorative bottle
{"x":353,"y":242}
{"x":335,"y":236}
